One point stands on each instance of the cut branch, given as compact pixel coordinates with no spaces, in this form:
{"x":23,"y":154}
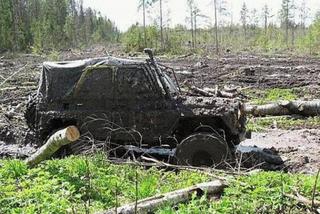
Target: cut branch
{"x":55,"y":142}
{"x":149,"y":205}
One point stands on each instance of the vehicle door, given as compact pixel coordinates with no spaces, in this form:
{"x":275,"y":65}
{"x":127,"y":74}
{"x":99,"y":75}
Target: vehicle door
{"x":142,"y":106}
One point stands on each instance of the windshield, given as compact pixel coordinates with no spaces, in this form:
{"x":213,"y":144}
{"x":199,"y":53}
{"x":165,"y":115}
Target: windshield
{"x":172,"y":87}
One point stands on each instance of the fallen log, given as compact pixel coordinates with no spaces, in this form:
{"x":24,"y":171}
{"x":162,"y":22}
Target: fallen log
{"x":305,"y":108}
{"x":149,"y":205}
{"x":55,"y":142}
{"x":201,"y":91}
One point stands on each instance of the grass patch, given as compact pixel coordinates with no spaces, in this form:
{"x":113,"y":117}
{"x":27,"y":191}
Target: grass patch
{"x":259,"y":193}
{"x":260,"y":97}
{"x":89,"y":184}
{"x":282,"y":122}
{"x":62,"y":186}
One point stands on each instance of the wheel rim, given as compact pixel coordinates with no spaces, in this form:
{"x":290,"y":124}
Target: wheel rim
{"x":202,"y":149}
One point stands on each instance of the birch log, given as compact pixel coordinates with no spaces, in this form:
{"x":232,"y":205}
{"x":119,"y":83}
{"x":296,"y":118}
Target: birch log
{"x":55,"y":142}
{"x":149,"y":205}
{"x":305,"y":108}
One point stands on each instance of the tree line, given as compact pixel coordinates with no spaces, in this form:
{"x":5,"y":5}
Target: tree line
{"x":51,"y":24}
{"x":256,"y":29}
{"x":37,"y":25}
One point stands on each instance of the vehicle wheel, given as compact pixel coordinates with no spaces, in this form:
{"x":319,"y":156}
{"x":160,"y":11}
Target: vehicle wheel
{"x":202,"y":149}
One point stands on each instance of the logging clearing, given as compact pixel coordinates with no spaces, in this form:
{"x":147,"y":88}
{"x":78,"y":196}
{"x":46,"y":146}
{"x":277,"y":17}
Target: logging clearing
{"x":288,"y":142}
{"x":227,"y":76}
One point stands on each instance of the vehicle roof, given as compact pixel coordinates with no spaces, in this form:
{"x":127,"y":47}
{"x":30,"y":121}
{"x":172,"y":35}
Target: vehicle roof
{"x":112,"y":61}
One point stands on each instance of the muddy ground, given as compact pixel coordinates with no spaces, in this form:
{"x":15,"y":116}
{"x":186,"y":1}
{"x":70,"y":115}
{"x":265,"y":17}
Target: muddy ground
{"x":300,"y":149}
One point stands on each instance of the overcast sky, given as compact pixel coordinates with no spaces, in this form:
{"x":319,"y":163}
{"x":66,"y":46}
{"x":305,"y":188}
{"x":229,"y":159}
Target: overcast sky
{"x":125,"y":13}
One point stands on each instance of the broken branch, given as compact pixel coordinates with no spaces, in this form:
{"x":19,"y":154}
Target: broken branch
{"x":303,"y":200}
{"x":21,"y":69}
{"x":149,"y":205}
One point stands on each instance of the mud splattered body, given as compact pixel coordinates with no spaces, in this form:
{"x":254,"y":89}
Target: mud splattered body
{"x":127,"y":102}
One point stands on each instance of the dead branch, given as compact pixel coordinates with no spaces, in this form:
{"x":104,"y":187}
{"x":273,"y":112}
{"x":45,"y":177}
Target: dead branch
{"x":149,"y":205}
{"x":303,"y":200}
{"x":185,"y":56}
{"x":306,"y":108}
{"x":11,"y":99}
{"x":55,"y":142}
{"x":15,"y":73}
{"x":201,"y":91}
{"x":18,"y":88}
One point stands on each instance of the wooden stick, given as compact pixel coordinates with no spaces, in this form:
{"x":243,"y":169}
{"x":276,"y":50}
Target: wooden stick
{"x":18,"y":71}
{"x":55,"y":142}
{"x":149,"y":205}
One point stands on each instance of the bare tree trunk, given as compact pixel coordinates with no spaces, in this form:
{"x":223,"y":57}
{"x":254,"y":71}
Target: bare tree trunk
{"x":192,"y":33}
{"x":216,"y":27}
{"x":287,"y":24}
{"x":195,"y":30}
{"x":305,"y":108}
{"x":292,"y":36}
{"x":144,"y":23}
{"x":161,"y":26}
{"x":266,"y":25}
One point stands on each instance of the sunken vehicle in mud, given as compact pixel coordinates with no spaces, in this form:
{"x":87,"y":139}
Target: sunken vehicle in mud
{"x":120,"y":103}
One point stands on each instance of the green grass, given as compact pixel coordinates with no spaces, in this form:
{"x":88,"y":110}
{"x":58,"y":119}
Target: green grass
{"x":68,"y":185}
{"x":60,"y":186}
{"x":282,"y":122}
{"x":260,"y":97}
{"x":259,"y":193}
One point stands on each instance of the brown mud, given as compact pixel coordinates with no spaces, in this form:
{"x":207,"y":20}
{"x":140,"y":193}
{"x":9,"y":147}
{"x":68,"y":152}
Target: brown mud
{"x":299,"y":149}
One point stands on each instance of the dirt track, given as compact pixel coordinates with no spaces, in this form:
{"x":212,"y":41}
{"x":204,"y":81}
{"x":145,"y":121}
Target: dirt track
{"x":300,"y":148}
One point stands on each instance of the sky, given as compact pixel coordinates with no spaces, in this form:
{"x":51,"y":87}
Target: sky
{"x":125,"y":12}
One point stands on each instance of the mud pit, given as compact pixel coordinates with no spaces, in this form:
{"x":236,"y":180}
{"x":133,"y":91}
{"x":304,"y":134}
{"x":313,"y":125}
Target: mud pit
{"x":299,"y":148}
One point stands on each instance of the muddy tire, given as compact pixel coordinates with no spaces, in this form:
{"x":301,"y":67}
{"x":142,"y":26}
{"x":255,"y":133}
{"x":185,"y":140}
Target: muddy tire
{"x":202,"y":149}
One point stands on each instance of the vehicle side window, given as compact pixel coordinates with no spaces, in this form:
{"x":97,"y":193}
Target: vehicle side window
{"x":134,"y":83}
{"x":96,"y":82}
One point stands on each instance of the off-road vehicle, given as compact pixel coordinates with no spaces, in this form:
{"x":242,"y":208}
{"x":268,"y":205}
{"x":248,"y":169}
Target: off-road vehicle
{"x":134,"y":103}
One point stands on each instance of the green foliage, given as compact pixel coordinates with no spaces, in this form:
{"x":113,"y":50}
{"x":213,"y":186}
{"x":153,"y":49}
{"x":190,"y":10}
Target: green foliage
{"x":271,"y":95}
{"x":260,"y":124}
{"x":88,"y":184}
{"x":259,"y":193}
{"x":132,"y":39}
{"x":311,"y":41}
{"x":51,"y":25}
{"x":60,"y":186}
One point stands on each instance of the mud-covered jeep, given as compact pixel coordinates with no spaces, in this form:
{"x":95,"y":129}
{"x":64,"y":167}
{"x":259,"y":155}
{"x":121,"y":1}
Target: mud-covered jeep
{"x":131,"y":103}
